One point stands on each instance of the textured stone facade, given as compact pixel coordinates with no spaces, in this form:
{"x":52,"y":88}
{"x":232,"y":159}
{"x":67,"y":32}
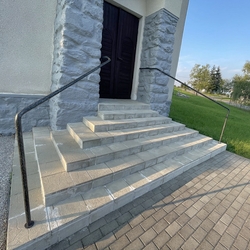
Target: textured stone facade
{"x":12,"y":104}
{"x":77,"y":44}
{"x":157,"y":49}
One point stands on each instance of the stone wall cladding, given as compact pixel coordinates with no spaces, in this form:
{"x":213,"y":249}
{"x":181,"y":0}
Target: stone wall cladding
{"x":157,"y":49}
{"x":77,"y":44}
{"x":11,"y":104}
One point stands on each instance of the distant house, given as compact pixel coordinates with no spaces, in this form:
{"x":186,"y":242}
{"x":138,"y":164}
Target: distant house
{"x":45,"y":44}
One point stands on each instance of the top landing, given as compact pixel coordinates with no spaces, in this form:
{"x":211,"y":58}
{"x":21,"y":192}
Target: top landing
{"x":121,"y":104}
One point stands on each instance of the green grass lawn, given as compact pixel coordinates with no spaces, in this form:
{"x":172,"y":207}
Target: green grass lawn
{"x":207,"y":117}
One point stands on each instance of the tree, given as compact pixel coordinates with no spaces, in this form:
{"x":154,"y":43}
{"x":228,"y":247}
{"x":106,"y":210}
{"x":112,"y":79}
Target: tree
{"x":227,"y":85}
{"x":246,"y":68}
{"x":241,"y":90}
{"x":216,"y":81}
{"x":200,"y":77}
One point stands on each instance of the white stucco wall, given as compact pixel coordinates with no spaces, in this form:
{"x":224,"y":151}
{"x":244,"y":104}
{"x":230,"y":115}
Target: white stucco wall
{"x":177,"y":45}
{"x":26,"y":45}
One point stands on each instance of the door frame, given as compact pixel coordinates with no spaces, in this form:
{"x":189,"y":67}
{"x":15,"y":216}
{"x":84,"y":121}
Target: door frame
{"x":120,"y":82}
{"x":136,"y":9}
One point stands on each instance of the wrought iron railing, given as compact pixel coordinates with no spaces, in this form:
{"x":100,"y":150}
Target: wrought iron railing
{"x":228,"y":110}
{"x":19,"y":133}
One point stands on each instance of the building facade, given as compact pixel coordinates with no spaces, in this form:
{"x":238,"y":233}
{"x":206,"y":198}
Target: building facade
{"x":47,"y":43}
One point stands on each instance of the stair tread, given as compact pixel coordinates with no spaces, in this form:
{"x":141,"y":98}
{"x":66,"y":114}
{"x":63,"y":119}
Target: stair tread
{"x":96,"y":124}
{"x":87,"y":138}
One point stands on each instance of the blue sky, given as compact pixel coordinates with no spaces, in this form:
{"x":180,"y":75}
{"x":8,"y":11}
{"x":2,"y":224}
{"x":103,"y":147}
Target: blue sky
{"x":216,"y":32}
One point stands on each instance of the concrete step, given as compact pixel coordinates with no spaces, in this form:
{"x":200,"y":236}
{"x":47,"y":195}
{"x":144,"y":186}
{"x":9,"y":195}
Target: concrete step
{"x":86,"y":138}
{"x":77,"y":212}
{"x":126,"y":114}
{"x":59,"y":185}
{"x":121,"y":105}
{"x":73,"y":157}
{"x":79,"y":209}
{"x":96,"y":124}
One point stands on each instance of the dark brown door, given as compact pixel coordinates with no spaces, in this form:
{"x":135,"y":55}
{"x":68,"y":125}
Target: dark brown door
{"x":119,"y":40}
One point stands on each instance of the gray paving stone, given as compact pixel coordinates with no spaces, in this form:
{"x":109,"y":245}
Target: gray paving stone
{"x":105,"y":241}
{"x":213,"y":237}
{"x":199,"y":234}
{"x":122,"y":230}
{"x":220,"y":227}
{"x":136,"y":221}
{"x":135,"y":233}
{"x":226,"y":240}
{"x":136,"y":244}
{"x":150,"y":246}
{"x":124,"y":218}
{"x":148,"y":236}
{"x":191,"y":243}
{"x":175,"y":242}
{"x":207,"y":224}
{"x":205,"y":245}
{"x":185,"y":231}
{"x":240,"y":243}
{"x":91,"y":238}
{"x":160,"y":226}
{"x":121,"y":243}
{"x":109,"y":227}
{"x":195,"y":222}
{"x":233,"y":230}
{"x":77,"y":246}
{"x":161,"y":239}
{"x":96,"y":225}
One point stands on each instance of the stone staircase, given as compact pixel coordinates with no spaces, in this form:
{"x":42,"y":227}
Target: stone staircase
{"x":78,"y":175}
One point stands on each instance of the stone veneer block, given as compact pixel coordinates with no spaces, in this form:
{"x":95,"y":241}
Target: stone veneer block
{"x":11,"y":104}
{"x":157,"y":49}
{"x":77,"y":49}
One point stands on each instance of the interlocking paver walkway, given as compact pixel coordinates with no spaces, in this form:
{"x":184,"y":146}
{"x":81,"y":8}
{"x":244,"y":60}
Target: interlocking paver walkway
{"x":207,"y":207}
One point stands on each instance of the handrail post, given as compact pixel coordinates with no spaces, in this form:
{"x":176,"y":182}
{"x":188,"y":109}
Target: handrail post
{"x":223,"y":128}
{"x":29,"y":223}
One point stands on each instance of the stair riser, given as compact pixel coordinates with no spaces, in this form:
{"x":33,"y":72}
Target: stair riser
{"x":108,"y":107}
{"x":121,"y":153}
{"x":54,"y":198}
{"x":123,"y":125}
{"x":127,"y":116}
{"x":123,"y":137}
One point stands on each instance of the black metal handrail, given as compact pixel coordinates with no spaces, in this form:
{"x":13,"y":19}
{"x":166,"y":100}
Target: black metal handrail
{"x":228,"y":110}
{"x":18,"y":121}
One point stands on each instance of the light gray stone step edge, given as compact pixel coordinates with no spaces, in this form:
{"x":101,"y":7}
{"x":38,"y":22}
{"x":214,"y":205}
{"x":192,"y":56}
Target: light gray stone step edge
{"x":101,"y":174}
{"x":96,"y":124}
{"x":74,"y":158}
{"x":126,"y":114}
{"x":86,"y":138}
